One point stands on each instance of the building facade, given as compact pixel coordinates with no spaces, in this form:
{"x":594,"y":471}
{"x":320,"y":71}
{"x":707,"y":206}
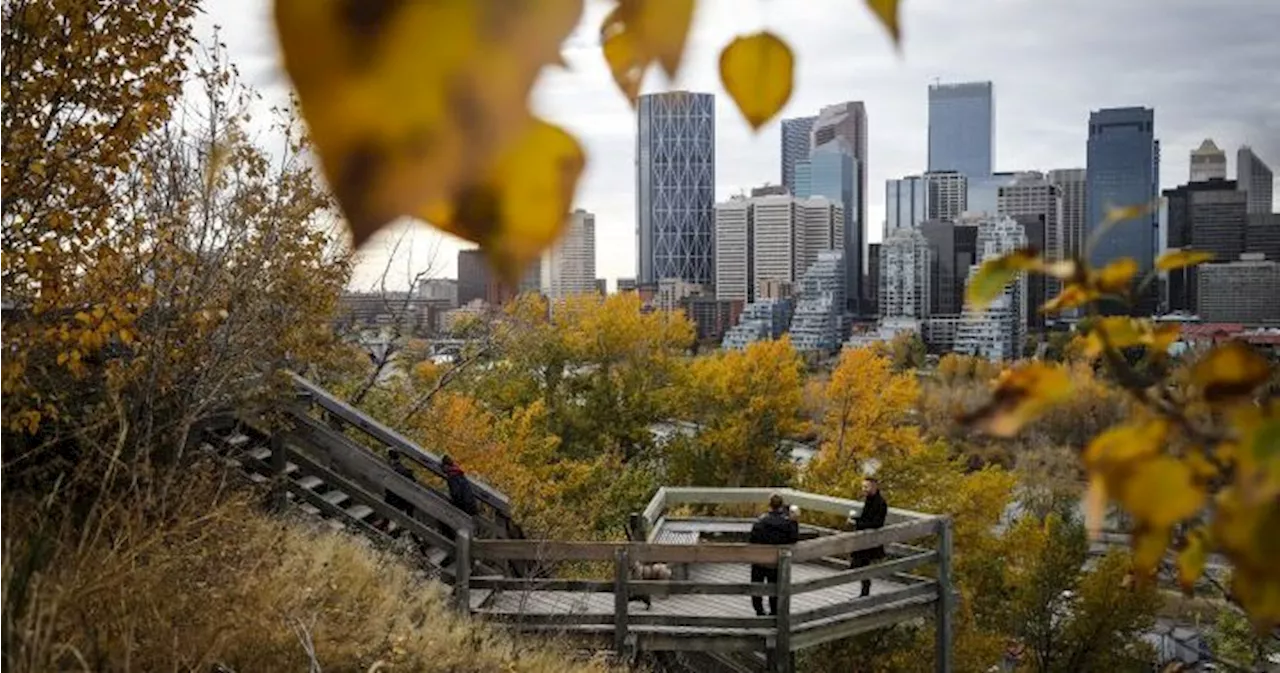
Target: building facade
{"x":1208,"y":162}
{"x":818,"y":323}
{"x":832,"y":172}
{"x":473,"y":276}
{"x":760,"y":321}
{"x":1072,"y":184}
{"x":796,"y":134}
{"x":1255,"y":177}
{"x":675,"y":187}
{"x":952,"y":251}
{"x":1241,"y":291}
{"x":905,"y":203}
{"x":440,"y":289}
{"x":735,"y":234}
{"x":786,"y":235}
{"x":1263,"y":235}
{"x":842,"y":128}
{"x":946,"y":195}
{"x":711,"y":317}
{"x":905,"y":264}
{"x":569,"y":265}
{"x":1208,"y":215}
{"x":998,"y":331}
{"x":962,"y":128}
{"x":1122,"y":170}
{"x":1032,"y":198}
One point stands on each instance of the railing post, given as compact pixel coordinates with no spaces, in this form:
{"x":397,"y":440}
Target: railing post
{"x":279,"y":464}
{"x":462,"y":571}
{"x":620,"y":600}
{"x":942,"y":654}
{"x":782,"y":642}
{"x":638,"y":531}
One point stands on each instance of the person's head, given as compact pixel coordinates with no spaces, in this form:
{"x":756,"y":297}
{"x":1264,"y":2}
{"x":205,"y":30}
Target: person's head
{"x":393,"y":456}
{"x":446,"y":461}
{"x":775,"y":502}
{"x":870,"y":486}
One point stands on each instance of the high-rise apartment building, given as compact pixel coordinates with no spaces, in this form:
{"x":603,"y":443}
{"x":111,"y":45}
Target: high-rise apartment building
{"x":982,"y":193}
{"x":905,"y":265}
{"x":1208,"y":162}
{"x":998,"y":331}
{"x":760,"y":321}
{"x":1263,"y":235}
{"x":818,"y":323}
{"x":1072,"y":187}
{"x":947,"y":194}
{"x":962,"y":128}
{"x":905,"y":203}
{"x":1123,"y":170}
{"x":1255,"y":177}
{"x":843,"y":128}
{"x":569,"y":265}
{"x":1211,"y":216}
{"x":675,"y":187}
{"x":796,"y":139}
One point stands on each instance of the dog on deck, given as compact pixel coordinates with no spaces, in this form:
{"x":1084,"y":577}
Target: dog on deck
{"x":648,"y":571}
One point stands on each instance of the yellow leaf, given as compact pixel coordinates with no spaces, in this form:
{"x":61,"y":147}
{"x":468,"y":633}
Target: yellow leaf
{"x":995,"y":274}
{"x":1230,"y":371}
{"x":126,"y":336}
{"x":1126,"y":444}
{"x":1191,"y":560}
{"x":1148,"y":546}
{"x":756,"y":71}
{"x":409,"y":102}
{"x":1115,"y":332}
{"x":1116,"y":277}
{"x":664,"y":28}
{"x":622,"y":52}
{"x":84,"y":317}
{"x":1072,"y":296}
{"x":1020,"y":396}
{"x":1177,"y":259}
{"x":887,"y":12}
{"x":1120,"y":214}
{"x":519,"y":207}
{"x":1095,"y":505}
{"x":1161,"y":492}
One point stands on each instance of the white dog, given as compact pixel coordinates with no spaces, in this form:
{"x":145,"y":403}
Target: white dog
{"x":648,"y":571}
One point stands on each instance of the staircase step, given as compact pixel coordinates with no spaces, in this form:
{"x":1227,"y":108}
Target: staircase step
{"x":335,"y":497}
{"x":360,"y":511}
{"x":237,"y":440}
{"x":290,"y":468}
{"x":309,"y":508}
{"x":310,"y":482}
{"x":260,"y":452}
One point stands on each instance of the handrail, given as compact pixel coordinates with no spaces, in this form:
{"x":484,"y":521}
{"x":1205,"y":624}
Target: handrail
{"x":847,"y":543}
{"x":690,"y":495}
{"x":644,"y":552}
{"x":392,"y":439}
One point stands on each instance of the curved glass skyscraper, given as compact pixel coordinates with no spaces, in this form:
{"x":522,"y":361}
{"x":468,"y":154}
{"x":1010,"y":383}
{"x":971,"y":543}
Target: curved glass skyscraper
{"x":676,"y":187}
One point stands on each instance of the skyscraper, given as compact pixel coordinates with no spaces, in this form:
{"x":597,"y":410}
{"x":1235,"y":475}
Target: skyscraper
{"x":796,"y":139}
{"x":904,"y":275}
{"x":473,"y":276}
{"x":905,"y":202}
{"x":996,"y":332}
{"x":735,"y":270}
{"x":675,"y":187}
{"x":1255,"y":177}
{"x":788,"y":234}
{"x":1208,"y":162}
{"x":1071,"y":184}
{"x":947,"y":194}
{"x":1123,"y":170}
{"x":847,"y":123}
{"x":1032,"y":195}
{"x":962,"y":128}
{"x":569,"y":266}
{"x":1207,"y":215}
{"x":832,"y":172}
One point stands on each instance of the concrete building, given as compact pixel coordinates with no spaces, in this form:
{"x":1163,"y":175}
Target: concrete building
{"x":377,"y":312}
{"x":473,"y":276}
{"x":1123,"y":170}
{"x":1032,"y":195}
{"x":675,"y":187}
{"x":940,"y":333}
{"x":626,"y":285}
{"x":787,"y":233}
{"x":796,"y":141}
{"x":777,"y":289}
{"x":1262,"y":235}
{"x":982,"y":193}
{"x":1072,"y":187}
{"x":833,"y":172}
{"x":905,"y":203}
{"x":440,"y":289}
{"x":818,"y":323}
{"x":905,"y":263}
{"x":953,"y":250}
{"x":1208,"y":215}
{"x":569,"y":265}
{"x":735,"y":267}
{"x":1242,"y":291}
{"x":760,"y":320}
{"x":946,"y":195}
{"x":1255,"y":177}
{"x":1208,"y":162}
{"x":672,"y":291}
{"x":998,"y":331}
{"x":602,"y":286}
{"x":962,"y":128}
{"x":711,"y":317}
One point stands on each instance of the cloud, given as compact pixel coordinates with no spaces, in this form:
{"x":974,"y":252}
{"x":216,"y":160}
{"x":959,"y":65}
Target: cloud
{"x":1208,"y":69}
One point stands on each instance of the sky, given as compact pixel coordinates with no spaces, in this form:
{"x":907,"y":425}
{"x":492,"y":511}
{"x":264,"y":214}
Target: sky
{"x":1209,"y":69}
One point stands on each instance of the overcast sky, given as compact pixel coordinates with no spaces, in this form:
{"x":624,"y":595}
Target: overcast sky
{"x":1209,"y":68}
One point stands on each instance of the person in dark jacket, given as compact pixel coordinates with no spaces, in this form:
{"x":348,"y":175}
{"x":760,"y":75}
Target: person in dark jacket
{"x":460,"y":492}
{"x":774,"y":527}
{"x":874,"y":511}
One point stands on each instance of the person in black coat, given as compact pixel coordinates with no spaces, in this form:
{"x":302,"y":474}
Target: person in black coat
{"x":874,"y":511}
{"x":460,"y":492}
{"x":773,"y":527}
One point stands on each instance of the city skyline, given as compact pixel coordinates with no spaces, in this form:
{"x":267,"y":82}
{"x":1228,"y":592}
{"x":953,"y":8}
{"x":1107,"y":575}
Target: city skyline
{"x":1041,"y":107}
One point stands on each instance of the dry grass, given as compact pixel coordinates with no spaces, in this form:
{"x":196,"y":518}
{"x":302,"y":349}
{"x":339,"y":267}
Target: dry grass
{"x":204,"y":580}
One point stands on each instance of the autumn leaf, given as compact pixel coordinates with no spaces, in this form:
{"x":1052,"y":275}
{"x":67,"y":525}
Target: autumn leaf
{"x":756,"y":71}
{"x":1191,"y":560}
{"x":519,"y":207}
{"x":995,"y":274}
{"x":1230,"y":371}
{"x":1177,"y":259}
{"x":1020,"y":396}
{"x":1125,"y":444}
{"x":887,"y":12}
{"x":1071,"y":296}
{"x":1120,"y":332}
{"x":1160,"y":492}
{"x":410,"y":103}
{"x":639,"y":32}
{"x":1121,"y":213}
{"x":1116,"y":277}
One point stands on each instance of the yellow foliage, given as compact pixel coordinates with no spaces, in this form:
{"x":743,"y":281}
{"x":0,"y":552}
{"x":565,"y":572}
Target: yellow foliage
{"x":756,"y":71}
{"x":1178,"y":259}
{"x":639,"y":32}
{"x":1020,"y":395}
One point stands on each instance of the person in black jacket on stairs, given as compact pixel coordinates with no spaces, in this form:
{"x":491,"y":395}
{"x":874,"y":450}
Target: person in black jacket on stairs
{"x":461,"y":495}
{"x":773,"y":527}
{"x":874,"y":511}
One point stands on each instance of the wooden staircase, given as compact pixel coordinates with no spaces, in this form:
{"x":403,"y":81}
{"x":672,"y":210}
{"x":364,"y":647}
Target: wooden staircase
{"x":327,"y":459}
